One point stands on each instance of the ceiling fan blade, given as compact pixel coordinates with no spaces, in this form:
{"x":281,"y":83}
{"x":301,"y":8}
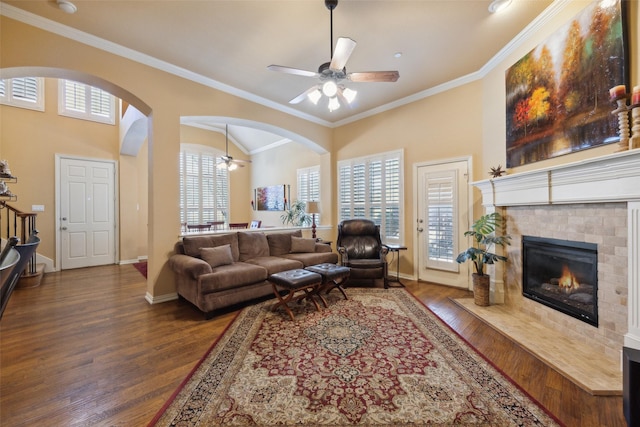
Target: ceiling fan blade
{"x":240,"y":161}
{"x":342,"y":52}
{"x":374,"y":76}
{"x":298,"y":99}
{"x":295,"y":71}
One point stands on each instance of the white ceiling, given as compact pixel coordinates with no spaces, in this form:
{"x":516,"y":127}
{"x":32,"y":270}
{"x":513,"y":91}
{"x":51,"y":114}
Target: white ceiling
{"x":228,"y":44}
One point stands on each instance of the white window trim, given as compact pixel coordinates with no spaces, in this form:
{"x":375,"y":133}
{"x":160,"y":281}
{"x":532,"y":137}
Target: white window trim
{"x":86,"y":115}
{"x":396,"y":154}
{"x":8,"y":98}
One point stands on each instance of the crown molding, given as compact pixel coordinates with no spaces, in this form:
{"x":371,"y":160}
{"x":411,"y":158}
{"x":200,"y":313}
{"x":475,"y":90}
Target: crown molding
{"x":550,"y":12}
{"x":116,"y":49}
{"x":80,"y":36}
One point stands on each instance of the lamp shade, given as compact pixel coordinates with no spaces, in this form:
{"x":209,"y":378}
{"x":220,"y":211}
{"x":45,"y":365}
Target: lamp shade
{"x":313,"y":207}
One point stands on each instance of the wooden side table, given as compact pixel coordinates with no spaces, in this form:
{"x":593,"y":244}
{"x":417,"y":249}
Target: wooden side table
{"x":395,"y":249}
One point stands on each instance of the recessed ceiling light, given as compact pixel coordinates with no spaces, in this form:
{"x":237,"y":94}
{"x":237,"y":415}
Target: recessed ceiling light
{"x":397,"y":54}
{"x":67,"y":6}
{"x":499,"y":5}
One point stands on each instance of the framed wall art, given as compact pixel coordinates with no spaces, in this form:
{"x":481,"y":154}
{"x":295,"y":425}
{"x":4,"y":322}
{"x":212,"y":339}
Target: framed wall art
{"x":557,"y":95}
{"x":272,"y":198}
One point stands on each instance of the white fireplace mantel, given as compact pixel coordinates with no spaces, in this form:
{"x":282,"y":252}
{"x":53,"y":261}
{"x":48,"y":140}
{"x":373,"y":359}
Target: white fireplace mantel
{"x":611,"y":178}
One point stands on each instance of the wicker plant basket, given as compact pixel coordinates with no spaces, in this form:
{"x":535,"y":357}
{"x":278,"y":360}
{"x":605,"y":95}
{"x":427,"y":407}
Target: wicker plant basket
{"x":481,"y":289}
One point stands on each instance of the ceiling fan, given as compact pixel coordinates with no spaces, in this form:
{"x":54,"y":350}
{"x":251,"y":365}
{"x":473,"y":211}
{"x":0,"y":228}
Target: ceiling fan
{"x":332,"y":74}
{"x":229,"y":162}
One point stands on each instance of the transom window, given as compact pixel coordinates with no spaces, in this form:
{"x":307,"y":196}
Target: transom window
{"x":23,"y":92}
{"x":86,"y":102}
{"x":204,"y":187}
{"x":372,"y":187}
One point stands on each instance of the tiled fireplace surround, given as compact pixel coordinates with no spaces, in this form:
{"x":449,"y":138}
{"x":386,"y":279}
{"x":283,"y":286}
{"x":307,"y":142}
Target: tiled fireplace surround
{"x":597,"y":201}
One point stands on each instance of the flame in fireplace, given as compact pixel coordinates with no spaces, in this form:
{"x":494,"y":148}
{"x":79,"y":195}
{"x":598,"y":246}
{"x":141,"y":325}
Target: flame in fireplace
{"x":568,"y":280}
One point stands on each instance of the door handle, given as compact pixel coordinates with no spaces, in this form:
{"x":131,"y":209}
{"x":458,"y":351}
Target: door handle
{"x":420,"y":230}
{"x":63,"y":228}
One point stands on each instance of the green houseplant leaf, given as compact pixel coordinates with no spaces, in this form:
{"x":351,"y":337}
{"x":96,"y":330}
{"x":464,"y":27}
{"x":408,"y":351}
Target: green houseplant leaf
{"x":296,"y":215}
{"x":484,"y":237}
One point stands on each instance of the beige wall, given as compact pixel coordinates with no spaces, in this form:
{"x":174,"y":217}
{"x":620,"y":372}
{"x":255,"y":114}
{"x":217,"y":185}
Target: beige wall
{"x":494,"y":122}
{"x":240,"y":208}
{"x":444,"y":126}
{"x":278,"y":166}
{"x":30,"y":142}
{"x":465,"y":121}
{"x":165,"y":97}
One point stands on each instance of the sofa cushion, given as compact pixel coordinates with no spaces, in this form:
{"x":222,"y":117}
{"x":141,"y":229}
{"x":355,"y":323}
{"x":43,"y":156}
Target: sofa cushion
{"x":230,"y":276}
{"x":299,"y":244}
{"x":217,"y":256}
{"x":252,"y":245}
{"x":280,"y":243}
{"x":192,"y":244}
{"x":276,"y":264}
{"x":313,"y":258}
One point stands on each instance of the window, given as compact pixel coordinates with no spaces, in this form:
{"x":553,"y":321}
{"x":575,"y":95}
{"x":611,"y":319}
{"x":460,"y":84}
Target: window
{"x":204,"y":187}
{"x":86,"y":102}
{"x":24,"y":92}
{"x":442,"y":213}
{"x":371,"y":187}
{"x":309,"y":185}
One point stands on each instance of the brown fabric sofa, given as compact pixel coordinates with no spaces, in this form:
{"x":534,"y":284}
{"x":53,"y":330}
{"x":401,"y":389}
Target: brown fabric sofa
{"x":219,"y":270}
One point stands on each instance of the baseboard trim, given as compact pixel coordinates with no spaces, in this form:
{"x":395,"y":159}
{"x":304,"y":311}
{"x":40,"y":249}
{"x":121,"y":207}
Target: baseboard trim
{"x":160,"y":298}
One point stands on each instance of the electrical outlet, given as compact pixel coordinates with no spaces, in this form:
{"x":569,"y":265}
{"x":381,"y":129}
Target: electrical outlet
{"x":37,"y":208}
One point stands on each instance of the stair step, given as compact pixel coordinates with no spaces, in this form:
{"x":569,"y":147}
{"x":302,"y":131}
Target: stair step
{"x":31,"y":280}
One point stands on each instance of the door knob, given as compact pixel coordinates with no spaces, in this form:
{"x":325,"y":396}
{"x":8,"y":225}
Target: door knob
{"x":420,"y":230}
{"x":63,"y":228}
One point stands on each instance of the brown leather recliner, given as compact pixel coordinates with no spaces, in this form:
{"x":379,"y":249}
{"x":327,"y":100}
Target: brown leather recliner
{"x":361,"y":249}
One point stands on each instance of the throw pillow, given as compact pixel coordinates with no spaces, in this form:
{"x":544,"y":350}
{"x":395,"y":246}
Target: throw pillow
{"x":300,"y":244}
{"x":252,"y":245}
{"x":217,"y":256}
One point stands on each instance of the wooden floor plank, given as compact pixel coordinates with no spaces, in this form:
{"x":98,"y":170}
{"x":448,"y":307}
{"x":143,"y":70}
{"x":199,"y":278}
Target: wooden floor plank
{"x":85,"y":348}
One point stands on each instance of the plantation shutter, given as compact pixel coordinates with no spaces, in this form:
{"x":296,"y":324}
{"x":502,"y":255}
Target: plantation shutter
{"x":86,"y":102}
{"x":371,"y":187}
{"x":204,"y":188}
{"x":309,"y":185}
{"x":441,"y":225}
{"x":26,"y":92}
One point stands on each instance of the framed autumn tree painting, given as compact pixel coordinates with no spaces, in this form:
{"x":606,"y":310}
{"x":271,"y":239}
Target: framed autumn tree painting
{"x":557,"y":95}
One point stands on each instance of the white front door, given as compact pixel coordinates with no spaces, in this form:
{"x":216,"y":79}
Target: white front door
{"x":86,"y":212}
{"x":442,"y":219}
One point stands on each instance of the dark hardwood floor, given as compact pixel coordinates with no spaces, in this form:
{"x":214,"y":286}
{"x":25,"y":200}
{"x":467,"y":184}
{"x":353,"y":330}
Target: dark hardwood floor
{"x":85,"y":348}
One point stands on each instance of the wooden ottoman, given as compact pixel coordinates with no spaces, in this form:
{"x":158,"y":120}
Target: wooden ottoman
{"x":333,"y":276}
{"x":294,"y":281}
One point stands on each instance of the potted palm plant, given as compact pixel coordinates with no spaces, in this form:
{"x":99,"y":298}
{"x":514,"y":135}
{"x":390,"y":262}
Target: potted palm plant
{"x":296,"y":214}
{"x":484,"y":237}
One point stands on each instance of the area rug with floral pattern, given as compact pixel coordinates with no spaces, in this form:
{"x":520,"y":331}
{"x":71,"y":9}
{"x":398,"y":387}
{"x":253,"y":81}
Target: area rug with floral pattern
{"x":380,"y":358}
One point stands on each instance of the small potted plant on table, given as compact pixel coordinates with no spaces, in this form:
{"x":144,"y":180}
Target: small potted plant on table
{"x":482,"y":231}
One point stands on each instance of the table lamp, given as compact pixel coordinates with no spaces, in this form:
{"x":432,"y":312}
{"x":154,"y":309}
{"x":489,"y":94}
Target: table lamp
{"x":313,"y":208}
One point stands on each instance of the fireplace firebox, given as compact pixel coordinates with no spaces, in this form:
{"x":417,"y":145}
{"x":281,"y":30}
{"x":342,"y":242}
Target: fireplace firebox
{"x":563,"y":275}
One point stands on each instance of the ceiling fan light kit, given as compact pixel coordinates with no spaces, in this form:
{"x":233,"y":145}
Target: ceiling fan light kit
{"x":228,"y":162}
{"x":331,"y":74}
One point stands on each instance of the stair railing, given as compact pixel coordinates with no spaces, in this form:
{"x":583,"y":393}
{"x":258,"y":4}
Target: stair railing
{"x":20,"y":224}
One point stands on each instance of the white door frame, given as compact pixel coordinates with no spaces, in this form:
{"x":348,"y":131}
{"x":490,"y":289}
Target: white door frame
{"x":468,"y":208}
{"x":116,"y":205}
